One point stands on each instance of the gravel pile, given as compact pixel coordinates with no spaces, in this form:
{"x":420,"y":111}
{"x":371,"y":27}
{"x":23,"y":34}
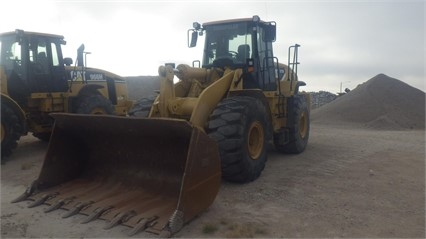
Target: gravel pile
{"x":142,"y":86}
{"x":380,"y":103}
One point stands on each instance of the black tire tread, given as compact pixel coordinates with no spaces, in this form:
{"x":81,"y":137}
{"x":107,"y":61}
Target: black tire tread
{"x":13,"y":127}
{"x":88,"y":103}
{"x":228,"y":126}
{"x":296,"y":144}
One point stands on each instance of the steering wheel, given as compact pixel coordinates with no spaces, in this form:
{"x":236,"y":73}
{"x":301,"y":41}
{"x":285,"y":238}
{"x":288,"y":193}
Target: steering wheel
{"x":233,"y":54}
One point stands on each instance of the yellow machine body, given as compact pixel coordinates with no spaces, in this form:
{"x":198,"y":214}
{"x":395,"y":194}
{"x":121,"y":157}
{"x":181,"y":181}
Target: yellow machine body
{"x":36,"y":81}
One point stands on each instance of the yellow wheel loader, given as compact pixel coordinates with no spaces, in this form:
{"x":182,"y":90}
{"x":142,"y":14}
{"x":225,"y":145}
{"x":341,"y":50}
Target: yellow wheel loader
{"x":156,"y":173}
{"x":36,"y":81}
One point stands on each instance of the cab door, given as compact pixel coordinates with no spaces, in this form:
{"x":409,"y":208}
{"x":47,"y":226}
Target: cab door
{"x":267,"y":61}
{"x":59,"y":80}
{"x":46,"y":68}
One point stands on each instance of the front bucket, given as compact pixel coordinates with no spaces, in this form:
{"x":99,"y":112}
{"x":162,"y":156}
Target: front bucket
{"x":148,"y":174}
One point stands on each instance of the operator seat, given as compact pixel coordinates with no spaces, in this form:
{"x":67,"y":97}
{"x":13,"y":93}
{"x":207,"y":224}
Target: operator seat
{"x":249,"y":79}
{"x":243,"y":52}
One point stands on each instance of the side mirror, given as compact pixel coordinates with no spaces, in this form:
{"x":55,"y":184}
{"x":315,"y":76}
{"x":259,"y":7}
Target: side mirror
{"x":270,"y":32}
{"x":194,"y":38}
{"x":67,"y":61}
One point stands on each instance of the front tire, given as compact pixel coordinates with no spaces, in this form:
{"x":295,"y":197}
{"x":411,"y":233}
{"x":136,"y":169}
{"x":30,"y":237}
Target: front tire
{"x":239,"y":126}
{"x":11,"y":130}
{"x":95,"y":104}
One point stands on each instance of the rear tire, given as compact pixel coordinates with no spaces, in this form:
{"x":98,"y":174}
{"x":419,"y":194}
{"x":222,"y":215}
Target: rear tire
{"x":298,"y":127}
{"x":239,"y":126}
{"x":11,"y":130}
{"x":95,"y":104}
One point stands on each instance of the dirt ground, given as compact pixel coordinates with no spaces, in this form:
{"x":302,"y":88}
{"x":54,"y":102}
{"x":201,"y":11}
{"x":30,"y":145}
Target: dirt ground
{"x":348,"y":183}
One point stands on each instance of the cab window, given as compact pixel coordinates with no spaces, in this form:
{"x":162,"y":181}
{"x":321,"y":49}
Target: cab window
{"x":232,"y":41}
{"x":11,"y":57}
{"x":55,"y":57}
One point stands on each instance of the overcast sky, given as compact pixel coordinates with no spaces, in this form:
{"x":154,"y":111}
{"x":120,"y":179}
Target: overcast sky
{"x":342,"y":42}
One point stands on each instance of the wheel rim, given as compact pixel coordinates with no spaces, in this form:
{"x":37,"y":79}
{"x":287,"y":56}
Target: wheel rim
{"x":3,"y":133}
{"x":303,"y":125}
{"x":98,"y":111}
{"x":255,"y":140}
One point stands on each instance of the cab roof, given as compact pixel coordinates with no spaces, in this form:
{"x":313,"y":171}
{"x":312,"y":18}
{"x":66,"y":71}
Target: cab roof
{"x":22,"y":32}
{"x":237,"y":20}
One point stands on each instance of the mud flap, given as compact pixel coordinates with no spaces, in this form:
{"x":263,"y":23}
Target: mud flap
{"x":148,"y":174}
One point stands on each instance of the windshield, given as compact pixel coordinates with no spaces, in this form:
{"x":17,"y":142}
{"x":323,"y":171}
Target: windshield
{"x":232,"y":41}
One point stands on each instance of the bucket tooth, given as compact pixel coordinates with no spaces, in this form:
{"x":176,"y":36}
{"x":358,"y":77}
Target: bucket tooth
{"x":96,"y":213}
{"x":176,"y":221}
{"x":58,"y":204}
{"x":76,"y":209}
{"x":55,"y":206}
{"x":41,"y":200}
{"x":21,"y":198}
{"x":28,"y":192}
{"x":121,"y":217}
{"x":142,"y":225}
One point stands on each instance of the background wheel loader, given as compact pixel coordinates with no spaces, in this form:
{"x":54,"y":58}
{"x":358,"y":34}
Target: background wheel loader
{"x":156,"y":173}
{"x":36,"y":80}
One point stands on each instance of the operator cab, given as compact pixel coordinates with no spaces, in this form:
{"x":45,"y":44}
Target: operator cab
{"x":33,"y":62}
{"x":241,"y":43}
